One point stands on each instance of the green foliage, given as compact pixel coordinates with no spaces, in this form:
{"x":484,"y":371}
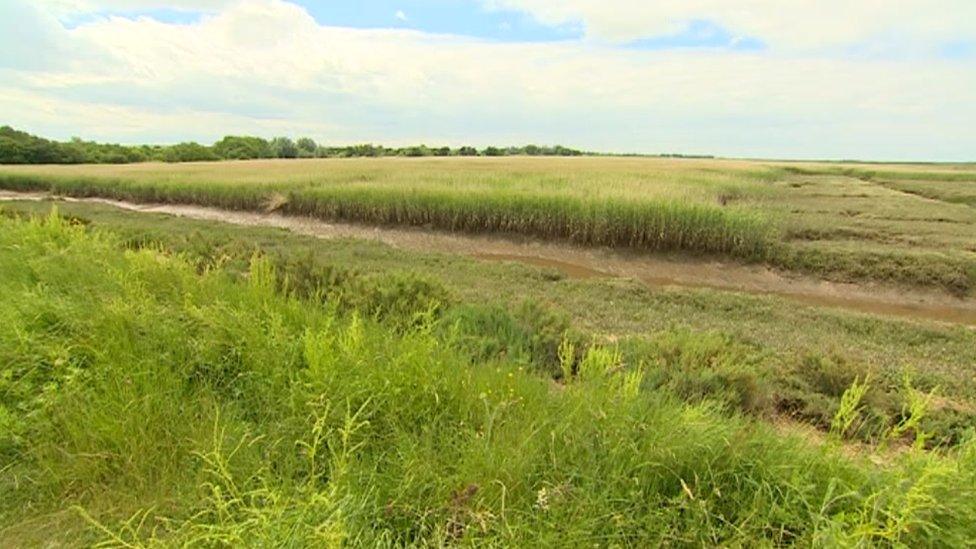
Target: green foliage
{"x":234,"y":147}
{"x":567,"y":358}
{"x":17,"y":147}
{"x":849,"y":409}
{"x":173,"y":407}
{"x":817,"y":388}
{"x":283,"y":147}
{"x":774,"y":348}
{"x":845,"y":227}
{"x":699,"y":366}
{"x":955,"y":274}
{"x":401,"y":298}
{"x":813,"y":389}
{"x":917,"y":407}
{"x":531,"y":334}
{"x":188,"y":152}
{"x":307,"y":147}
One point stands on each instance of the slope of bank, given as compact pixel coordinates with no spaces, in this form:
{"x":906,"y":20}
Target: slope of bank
{"x":148,"y":403}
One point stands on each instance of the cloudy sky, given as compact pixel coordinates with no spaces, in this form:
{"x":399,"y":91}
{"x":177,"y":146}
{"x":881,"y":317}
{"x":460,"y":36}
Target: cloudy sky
{"x":871,"y":79}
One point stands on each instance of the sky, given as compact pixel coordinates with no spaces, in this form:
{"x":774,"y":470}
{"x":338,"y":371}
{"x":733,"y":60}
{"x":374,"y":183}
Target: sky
{"x":839,"y":79}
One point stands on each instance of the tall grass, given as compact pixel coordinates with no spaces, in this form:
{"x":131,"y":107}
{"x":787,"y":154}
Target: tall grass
{"x":685,"y":217}
{"x":648,"y":225}
{"x":152,"y":404}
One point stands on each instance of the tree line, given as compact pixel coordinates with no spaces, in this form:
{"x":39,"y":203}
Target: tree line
{"x":18,"y":147}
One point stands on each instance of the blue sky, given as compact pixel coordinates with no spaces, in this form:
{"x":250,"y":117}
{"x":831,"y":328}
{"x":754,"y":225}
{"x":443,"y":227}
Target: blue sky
{"x":460,"y":17}
{"x":434,"y":16}
{"x":771,"y":78}
{"x":440,"y":16}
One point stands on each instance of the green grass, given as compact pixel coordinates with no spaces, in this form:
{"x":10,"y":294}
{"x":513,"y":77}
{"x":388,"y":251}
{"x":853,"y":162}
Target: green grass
{"x":953,"y":186}
{"x":849,"y":223}
{"x":145,"y":401}
{"x":909,"y":225}
{"x":765,"y":356}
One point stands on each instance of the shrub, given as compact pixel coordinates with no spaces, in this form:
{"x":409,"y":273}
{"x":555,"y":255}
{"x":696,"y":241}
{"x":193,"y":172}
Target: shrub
{"x":530,"y":334}
{"x":704,"y":366}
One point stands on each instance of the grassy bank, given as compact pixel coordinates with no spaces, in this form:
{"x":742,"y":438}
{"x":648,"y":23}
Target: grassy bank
{"x":146,"y":401}
{"x":765,"y":356}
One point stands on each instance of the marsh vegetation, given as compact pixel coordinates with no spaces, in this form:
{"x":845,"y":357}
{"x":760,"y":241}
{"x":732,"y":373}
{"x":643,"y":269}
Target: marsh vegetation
{"x":168,"y":381}
{"x":147,"y":401}
{"x":843,"y":222}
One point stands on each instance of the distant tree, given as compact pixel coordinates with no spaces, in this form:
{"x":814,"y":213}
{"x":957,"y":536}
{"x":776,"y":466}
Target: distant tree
{"x":13,"y":150}
{"x":117,"y":154}
{"x":306,"y":147}
{"x":420,"y":150}
{"x":366,"y":149}
{"x":188,"y":152}
{"x":18,"y":147}
{"x":559,"y":150}
{"x":284,"y":147}
{"x":234,"y":147}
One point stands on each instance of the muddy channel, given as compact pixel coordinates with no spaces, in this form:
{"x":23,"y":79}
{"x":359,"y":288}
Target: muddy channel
{"x":657,"y":271}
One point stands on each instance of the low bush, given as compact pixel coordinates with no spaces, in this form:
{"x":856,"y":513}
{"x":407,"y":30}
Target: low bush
{"x":704,"y":366}
{"x":529,"y":335}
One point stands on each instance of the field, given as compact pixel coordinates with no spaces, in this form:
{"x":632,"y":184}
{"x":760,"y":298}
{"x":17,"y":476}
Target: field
{"x":176,"y":381}
{"x":908,"y":224}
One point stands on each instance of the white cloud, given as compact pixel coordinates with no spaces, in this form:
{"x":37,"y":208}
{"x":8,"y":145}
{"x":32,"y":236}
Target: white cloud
{"x":400,"y":16}
{"x":793,"y":23}
{"x":267,"y":67}
{"x":61,"y":7}
{"x":57,"y":117}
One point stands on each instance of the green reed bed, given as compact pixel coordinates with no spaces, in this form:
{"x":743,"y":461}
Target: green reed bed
{"x":646,"y":225}
{"x":144,"y":403}
{"x":228,"y":196}
{"x":656,"y":224}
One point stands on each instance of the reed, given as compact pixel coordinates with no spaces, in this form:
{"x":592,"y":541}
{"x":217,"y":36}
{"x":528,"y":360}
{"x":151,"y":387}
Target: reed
{"x":666,"y":222}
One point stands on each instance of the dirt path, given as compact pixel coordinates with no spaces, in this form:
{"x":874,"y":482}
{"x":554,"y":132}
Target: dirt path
{"x":654,"y":270}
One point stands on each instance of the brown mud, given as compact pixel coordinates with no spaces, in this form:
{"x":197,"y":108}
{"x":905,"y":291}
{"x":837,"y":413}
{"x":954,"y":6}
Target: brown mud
{"x":657,"y":271}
